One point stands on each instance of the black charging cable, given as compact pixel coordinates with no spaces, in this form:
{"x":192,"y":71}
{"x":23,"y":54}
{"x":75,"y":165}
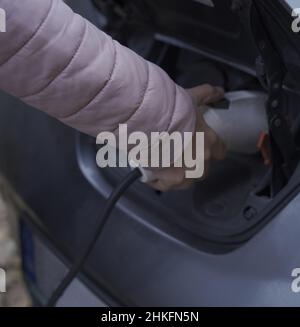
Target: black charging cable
{"x":79,"y":264}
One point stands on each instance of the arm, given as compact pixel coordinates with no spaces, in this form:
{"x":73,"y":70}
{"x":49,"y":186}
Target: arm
{"x":58,"y":62}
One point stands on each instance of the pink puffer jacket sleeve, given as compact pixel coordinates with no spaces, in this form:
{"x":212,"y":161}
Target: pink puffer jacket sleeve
{"x":58,"y":62}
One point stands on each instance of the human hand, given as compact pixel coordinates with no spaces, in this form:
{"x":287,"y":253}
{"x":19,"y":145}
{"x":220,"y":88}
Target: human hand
{"x":173,"y":178}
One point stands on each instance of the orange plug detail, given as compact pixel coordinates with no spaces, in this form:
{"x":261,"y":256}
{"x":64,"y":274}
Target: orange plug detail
{"x":263,"y":145}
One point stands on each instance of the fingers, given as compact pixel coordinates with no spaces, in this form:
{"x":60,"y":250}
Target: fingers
{"x":204,"y":94}
{"x":174,"y":178}
{"x":164,"y":187}
{"x":167,"y":179}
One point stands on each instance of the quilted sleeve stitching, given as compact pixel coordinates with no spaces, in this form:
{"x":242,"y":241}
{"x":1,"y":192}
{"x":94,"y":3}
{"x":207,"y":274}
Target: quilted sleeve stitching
{"x":174,"y":108}
{"x":73,"y":57}
{"x":43,"y":22}
{"x":98,"y":91}
{"x":144,"y":92}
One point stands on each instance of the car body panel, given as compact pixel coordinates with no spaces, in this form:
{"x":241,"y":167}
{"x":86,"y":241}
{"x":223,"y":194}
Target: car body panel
{"x":135,"y":262}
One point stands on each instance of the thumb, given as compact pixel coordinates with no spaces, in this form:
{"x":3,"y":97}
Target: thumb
{"x":204,"y":94}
